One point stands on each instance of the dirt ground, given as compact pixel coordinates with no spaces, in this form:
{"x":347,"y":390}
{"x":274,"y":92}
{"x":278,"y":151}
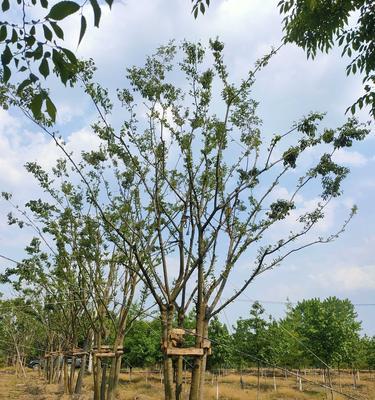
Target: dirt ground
{"x":146,"y":386}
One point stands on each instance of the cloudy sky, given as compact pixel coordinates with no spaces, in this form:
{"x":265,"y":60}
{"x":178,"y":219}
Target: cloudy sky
{"x":290,"y":87}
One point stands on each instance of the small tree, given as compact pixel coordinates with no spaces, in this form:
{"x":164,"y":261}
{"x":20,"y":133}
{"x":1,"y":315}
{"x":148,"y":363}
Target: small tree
{"x":251,"y":338}
{"x":82,"y":265}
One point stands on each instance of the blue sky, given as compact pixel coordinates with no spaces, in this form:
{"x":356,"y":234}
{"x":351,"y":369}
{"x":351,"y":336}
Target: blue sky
{"x":290,"y":87}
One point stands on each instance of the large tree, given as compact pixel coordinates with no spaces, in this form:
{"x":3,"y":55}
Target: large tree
{"x":193,"y":191}
{"x":208,"y":175}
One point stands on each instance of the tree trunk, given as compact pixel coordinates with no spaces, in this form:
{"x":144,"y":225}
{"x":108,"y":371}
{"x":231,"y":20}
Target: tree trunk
{"x":114,"y":374}
{"x":97,"y":377}
{"x":199,"y":365}
{"x":330,"y":382}
{"x":167,"y":320}
{"x":65,"y":376}
{"x":72,"y":375}
{"x":86,"y":348}
{"x":104,"y":381}
{"x":258,"y":378}
{"x":179,"y":377}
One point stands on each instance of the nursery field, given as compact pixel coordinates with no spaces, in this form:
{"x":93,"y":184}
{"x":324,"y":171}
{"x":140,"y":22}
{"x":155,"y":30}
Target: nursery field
{"x":143,"y":385}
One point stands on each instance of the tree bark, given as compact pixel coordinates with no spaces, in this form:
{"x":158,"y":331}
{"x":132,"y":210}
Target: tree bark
{"x":199,"y":365}
{"x":167,"y":320}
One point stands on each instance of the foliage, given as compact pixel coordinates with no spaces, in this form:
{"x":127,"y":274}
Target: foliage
{"x":30,"y":43}
{"x":329,"y":328}
{"x":251,"y":337}
{"x":142,"y":344}
{"x":317,"y":25}
{"x":222,"y":346}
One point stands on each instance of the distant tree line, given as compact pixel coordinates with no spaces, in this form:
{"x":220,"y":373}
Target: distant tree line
{"x":313,"y":334}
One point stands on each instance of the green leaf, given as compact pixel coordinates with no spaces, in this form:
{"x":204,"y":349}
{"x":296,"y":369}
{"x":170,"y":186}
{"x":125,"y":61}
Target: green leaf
{"x":7,"y":56}
{"x":3,"y":33}
{"x":83,"y":29}
{"x":44,"y":68}
{"x":109,"y":2}
{"x":71,"y":57}
{"x":38,"y":53}
{"x":36,"y":105}
{"x":14,"y":36}
{"x":47,"y":33}
{"x":51,"y":109}
{"x":6,"y":74}
{"x":63,"y":9}
{"x":33,"y":77}
{"x":44,"y":3}
{"x":60,"y":65}
{"x":97,"y":12}
{"x":5,"y":5}
{"x":58,"y":31}
{"x":22,"y":85}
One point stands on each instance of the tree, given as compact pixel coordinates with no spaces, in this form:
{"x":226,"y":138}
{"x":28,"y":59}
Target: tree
{"x":22,"y":332}
{"x":328,"y":331}
{"x":321,"y":25}
{"x":222,"y":345}
{"x":81,"y":264}
{"x":252,"y":339}
{"x":142,"y":344}
{"x":193,"y":188}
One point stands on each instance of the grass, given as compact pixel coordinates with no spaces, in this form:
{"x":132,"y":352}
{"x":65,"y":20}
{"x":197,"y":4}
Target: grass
{"x":149,"y":387}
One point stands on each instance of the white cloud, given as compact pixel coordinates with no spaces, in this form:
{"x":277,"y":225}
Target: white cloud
{"x":346,"y":278}
{"x":351,"y":158}
{"x":19,"y":145}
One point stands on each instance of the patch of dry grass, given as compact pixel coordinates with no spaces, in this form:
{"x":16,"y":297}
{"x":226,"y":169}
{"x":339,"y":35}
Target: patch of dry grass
{"x":148,"y":386}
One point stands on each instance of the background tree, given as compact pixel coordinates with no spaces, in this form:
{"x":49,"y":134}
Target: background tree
{"x":328,"y":331}
{"x":222,"y":346}
{"x":22,"y":332}
{"x":31,"y":40}
{"x":252,"y":340}
{"x":142,"y":344}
